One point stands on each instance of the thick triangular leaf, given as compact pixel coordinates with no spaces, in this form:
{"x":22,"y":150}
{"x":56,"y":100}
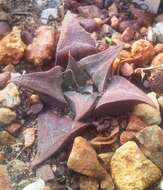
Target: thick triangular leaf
{"x":73,"y":39}
{"x":69,"y":81}
{"x":120,"y":97}
{"x":81,"y":76}
{"x":81,"y":104}
{"x":53,"y":133}
{"x":47,"y":84}
{"x":99,"y":65}
{"x":75,"y":78}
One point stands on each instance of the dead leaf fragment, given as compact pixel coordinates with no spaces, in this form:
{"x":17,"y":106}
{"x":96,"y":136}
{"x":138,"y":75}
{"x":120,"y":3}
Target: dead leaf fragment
{"x":120,"y":96}
{"x":29,"y":136}
{"x":100,"y":140}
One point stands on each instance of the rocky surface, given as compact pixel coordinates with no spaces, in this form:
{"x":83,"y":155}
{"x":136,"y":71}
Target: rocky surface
{"x":7,"y":116}
{"x":11,"y":48}
{"x":148,"y":114}
{"x":131,"y":169}
{"x":151,"y":143}
{"x":96,"y":156}
{"x":89,"y":164}
{"x":9,"y":96}
{"x":4,"y":178}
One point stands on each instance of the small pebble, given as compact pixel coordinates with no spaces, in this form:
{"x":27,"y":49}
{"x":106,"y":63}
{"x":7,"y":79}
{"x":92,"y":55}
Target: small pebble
{"x":38,"y":185}
{"x":7,"y":116}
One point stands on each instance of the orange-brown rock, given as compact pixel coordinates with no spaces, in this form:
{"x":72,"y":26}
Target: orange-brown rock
{"x":13,"y":128}
{"x":158,"y":59}
{"x":135,"y":125}
{"x":43,"y":46}
{"x":83,"y":159}
{"x":4,"y":178}
{"x":143,"y":49}
{"x":126,"y":136}
{"x":4,"y":78}
{"x":158,"y":48}
{"x":12,"y":48}
{"x":128,"y":35}
{"x":2,"y":157}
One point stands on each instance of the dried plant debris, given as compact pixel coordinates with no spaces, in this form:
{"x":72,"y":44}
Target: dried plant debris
{"x":108,"y":140}
{"x":81,"y":104}
{"x":99,"y":66}
{"x":120,"y":97}
{"x":53,"y":133}
{"x":48,"y":84}
{"x":73,"y":39}
{"x":43,"y":46}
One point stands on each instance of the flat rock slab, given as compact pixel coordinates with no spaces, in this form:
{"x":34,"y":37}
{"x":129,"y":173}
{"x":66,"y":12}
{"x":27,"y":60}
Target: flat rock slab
{"x":131,"y":170}
{"x":4,"y":178}
{"x":151,"y":143}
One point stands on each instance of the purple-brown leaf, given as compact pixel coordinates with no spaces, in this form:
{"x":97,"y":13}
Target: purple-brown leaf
{"x":120,"y":97}
{"x":81,"y":104}
{"x":80,"y":75}
{"x":53,"y":133}
{"x":89,"y":25}
{"x":73,"y":39}
{"x":47,"y":84}
{"x":90,"y":11}
{"x":99,"y":65}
